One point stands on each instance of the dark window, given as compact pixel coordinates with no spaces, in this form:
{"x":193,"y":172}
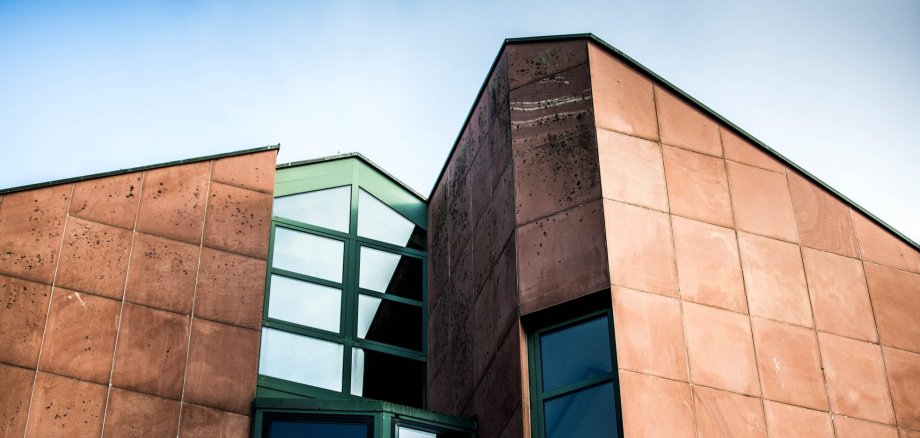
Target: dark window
{"x":573,"y":378}
{"x":298,"y":426}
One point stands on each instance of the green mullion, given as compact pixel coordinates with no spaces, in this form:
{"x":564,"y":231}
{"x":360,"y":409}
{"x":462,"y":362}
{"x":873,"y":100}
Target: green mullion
{"x":299,"y":388}
{"x":389,"y":247}
{"x":391,"y":297}
{"x":577,"y":386}
{"x":304,"y":330}
{"x":302,"y":226}
{"x":304,"y":277}
{"x":350,"y":283}
{"x":389,"y":349}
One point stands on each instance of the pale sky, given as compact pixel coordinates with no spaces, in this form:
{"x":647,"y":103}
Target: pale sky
{"x":89,"y":87}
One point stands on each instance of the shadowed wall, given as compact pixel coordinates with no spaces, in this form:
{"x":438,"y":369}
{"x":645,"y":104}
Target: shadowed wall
{"x":133,"y":300}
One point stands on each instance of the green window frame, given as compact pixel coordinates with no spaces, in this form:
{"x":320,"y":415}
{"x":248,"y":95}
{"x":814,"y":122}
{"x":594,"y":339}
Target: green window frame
{"x":358,"y":175}
{"x":555,"y":320}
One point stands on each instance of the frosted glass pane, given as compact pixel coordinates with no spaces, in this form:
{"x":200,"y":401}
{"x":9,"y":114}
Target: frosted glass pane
{"x":357,"y":371}
{"x":367,"y":309}
{"x":308,"y":254}
{"x":329,"y":208}
{"x":305,"y":303}
{"x":377,"y":268}
{"x":301,"y":359}
{"x":405,"y":432}
{"x":378,"y":221}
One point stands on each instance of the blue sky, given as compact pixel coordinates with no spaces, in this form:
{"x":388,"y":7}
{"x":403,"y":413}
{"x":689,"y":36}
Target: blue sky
{"x":91,"y":86}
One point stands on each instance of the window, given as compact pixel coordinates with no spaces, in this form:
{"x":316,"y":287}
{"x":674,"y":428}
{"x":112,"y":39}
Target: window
{"x":573,"y":378}
{"x":345,"y":302}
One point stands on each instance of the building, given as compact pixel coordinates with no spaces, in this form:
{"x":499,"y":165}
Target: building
{"x":601,"y":256}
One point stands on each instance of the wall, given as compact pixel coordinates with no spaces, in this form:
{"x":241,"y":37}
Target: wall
{"x":747,"y":300}
{"x":132,"y":303}
{"x":516,"y":226}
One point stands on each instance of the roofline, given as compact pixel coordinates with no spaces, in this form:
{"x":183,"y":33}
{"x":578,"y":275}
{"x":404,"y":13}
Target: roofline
{"x":682,"y":94}
{"x":361,"y":157}
{"x":138,"y":169}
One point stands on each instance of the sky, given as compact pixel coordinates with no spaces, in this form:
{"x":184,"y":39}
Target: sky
{"x":94,"y":86}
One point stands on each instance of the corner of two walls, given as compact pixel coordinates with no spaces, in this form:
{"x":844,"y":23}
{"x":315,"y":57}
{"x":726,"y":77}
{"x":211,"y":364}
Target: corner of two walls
{"x":517,"y":227}
{"x":133,"y":300}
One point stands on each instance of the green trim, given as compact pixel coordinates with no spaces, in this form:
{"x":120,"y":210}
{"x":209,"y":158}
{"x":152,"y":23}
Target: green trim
{"x":139,"y":169}
{"x":358,"y":156}
{"x":359,"y":174}
{"x":681,"y":94}
{"x":364,"y":405}
{"x":535,"y":368}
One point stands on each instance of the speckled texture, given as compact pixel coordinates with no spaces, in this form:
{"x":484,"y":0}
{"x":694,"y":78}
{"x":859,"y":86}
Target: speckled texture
{"x":162,"y":273}
{"x":251,"y":171}
{"x":94,"y":258}
{"x":562,"y":257}
{"x":22,"y":320}
{"x":111,"y":200}
{"x":14,"y":399}
{"x":173,"y":201}
{"x":65,"y":407}
{"x":532,"y":61}
{"x":31,"y":228}
{"x":238,"y":220}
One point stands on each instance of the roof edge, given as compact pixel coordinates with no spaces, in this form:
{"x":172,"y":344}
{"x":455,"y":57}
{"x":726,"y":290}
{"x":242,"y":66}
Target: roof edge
{"x":686,"y":97}
{"x":137,"y":169}
{"x":361,"y":157}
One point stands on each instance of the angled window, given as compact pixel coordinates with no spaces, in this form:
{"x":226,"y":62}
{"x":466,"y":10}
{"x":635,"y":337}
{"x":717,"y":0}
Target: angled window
{"x":345,"y":302}
{"x":573,"y":377}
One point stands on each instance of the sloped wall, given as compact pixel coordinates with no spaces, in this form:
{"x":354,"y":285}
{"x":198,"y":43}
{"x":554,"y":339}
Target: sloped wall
{"x":133,"y":300}
{"x":747,"y":300}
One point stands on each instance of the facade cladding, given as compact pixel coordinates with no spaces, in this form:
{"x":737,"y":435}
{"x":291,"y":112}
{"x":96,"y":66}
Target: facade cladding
{"x":601,"y":256}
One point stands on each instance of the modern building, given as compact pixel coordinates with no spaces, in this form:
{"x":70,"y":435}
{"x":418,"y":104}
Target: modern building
{"x":601,"y":256}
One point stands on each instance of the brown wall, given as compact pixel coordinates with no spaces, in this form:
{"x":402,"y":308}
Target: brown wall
{"x":747,"y":300}
{"x":133,"y":300}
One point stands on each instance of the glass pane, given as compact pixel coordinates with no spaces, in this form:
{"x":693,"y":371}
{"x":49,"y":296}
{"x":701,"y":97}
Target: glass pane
{"x":391,"y":273}
{"x":390,"y":322}
{"x":379,"y":222}
{"x":587,"y":413}
{"x":308,"y":254}
{"x":405,"y":432}
{"x":329,"y":208}
{"x":305,"y":303}
{"x":301,"y":359}
{"x":575,"y":353}
{"x":294,"y":428}
{"x":387,"y":377}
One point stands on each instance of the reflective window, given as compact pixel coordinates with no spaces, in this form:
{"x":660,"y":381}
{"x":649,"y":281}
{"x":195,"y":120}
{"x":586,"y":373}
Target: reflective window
{"x":299,"y":428}
{"x":405,"y":432}
{"x":301,"y":359}
{"x":585,"y":413}
{"x":573,"y":389}
{"x":575,"y":353}
{"x":387,"y":377}
{"x":390,"y":322}
{"x":308,"y":254}
{"x":344,"y":304}
{"x":379,"y":222}
{"x":304,"y":303}
{"x":382,"y":271}
{"x":328,"y":208}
